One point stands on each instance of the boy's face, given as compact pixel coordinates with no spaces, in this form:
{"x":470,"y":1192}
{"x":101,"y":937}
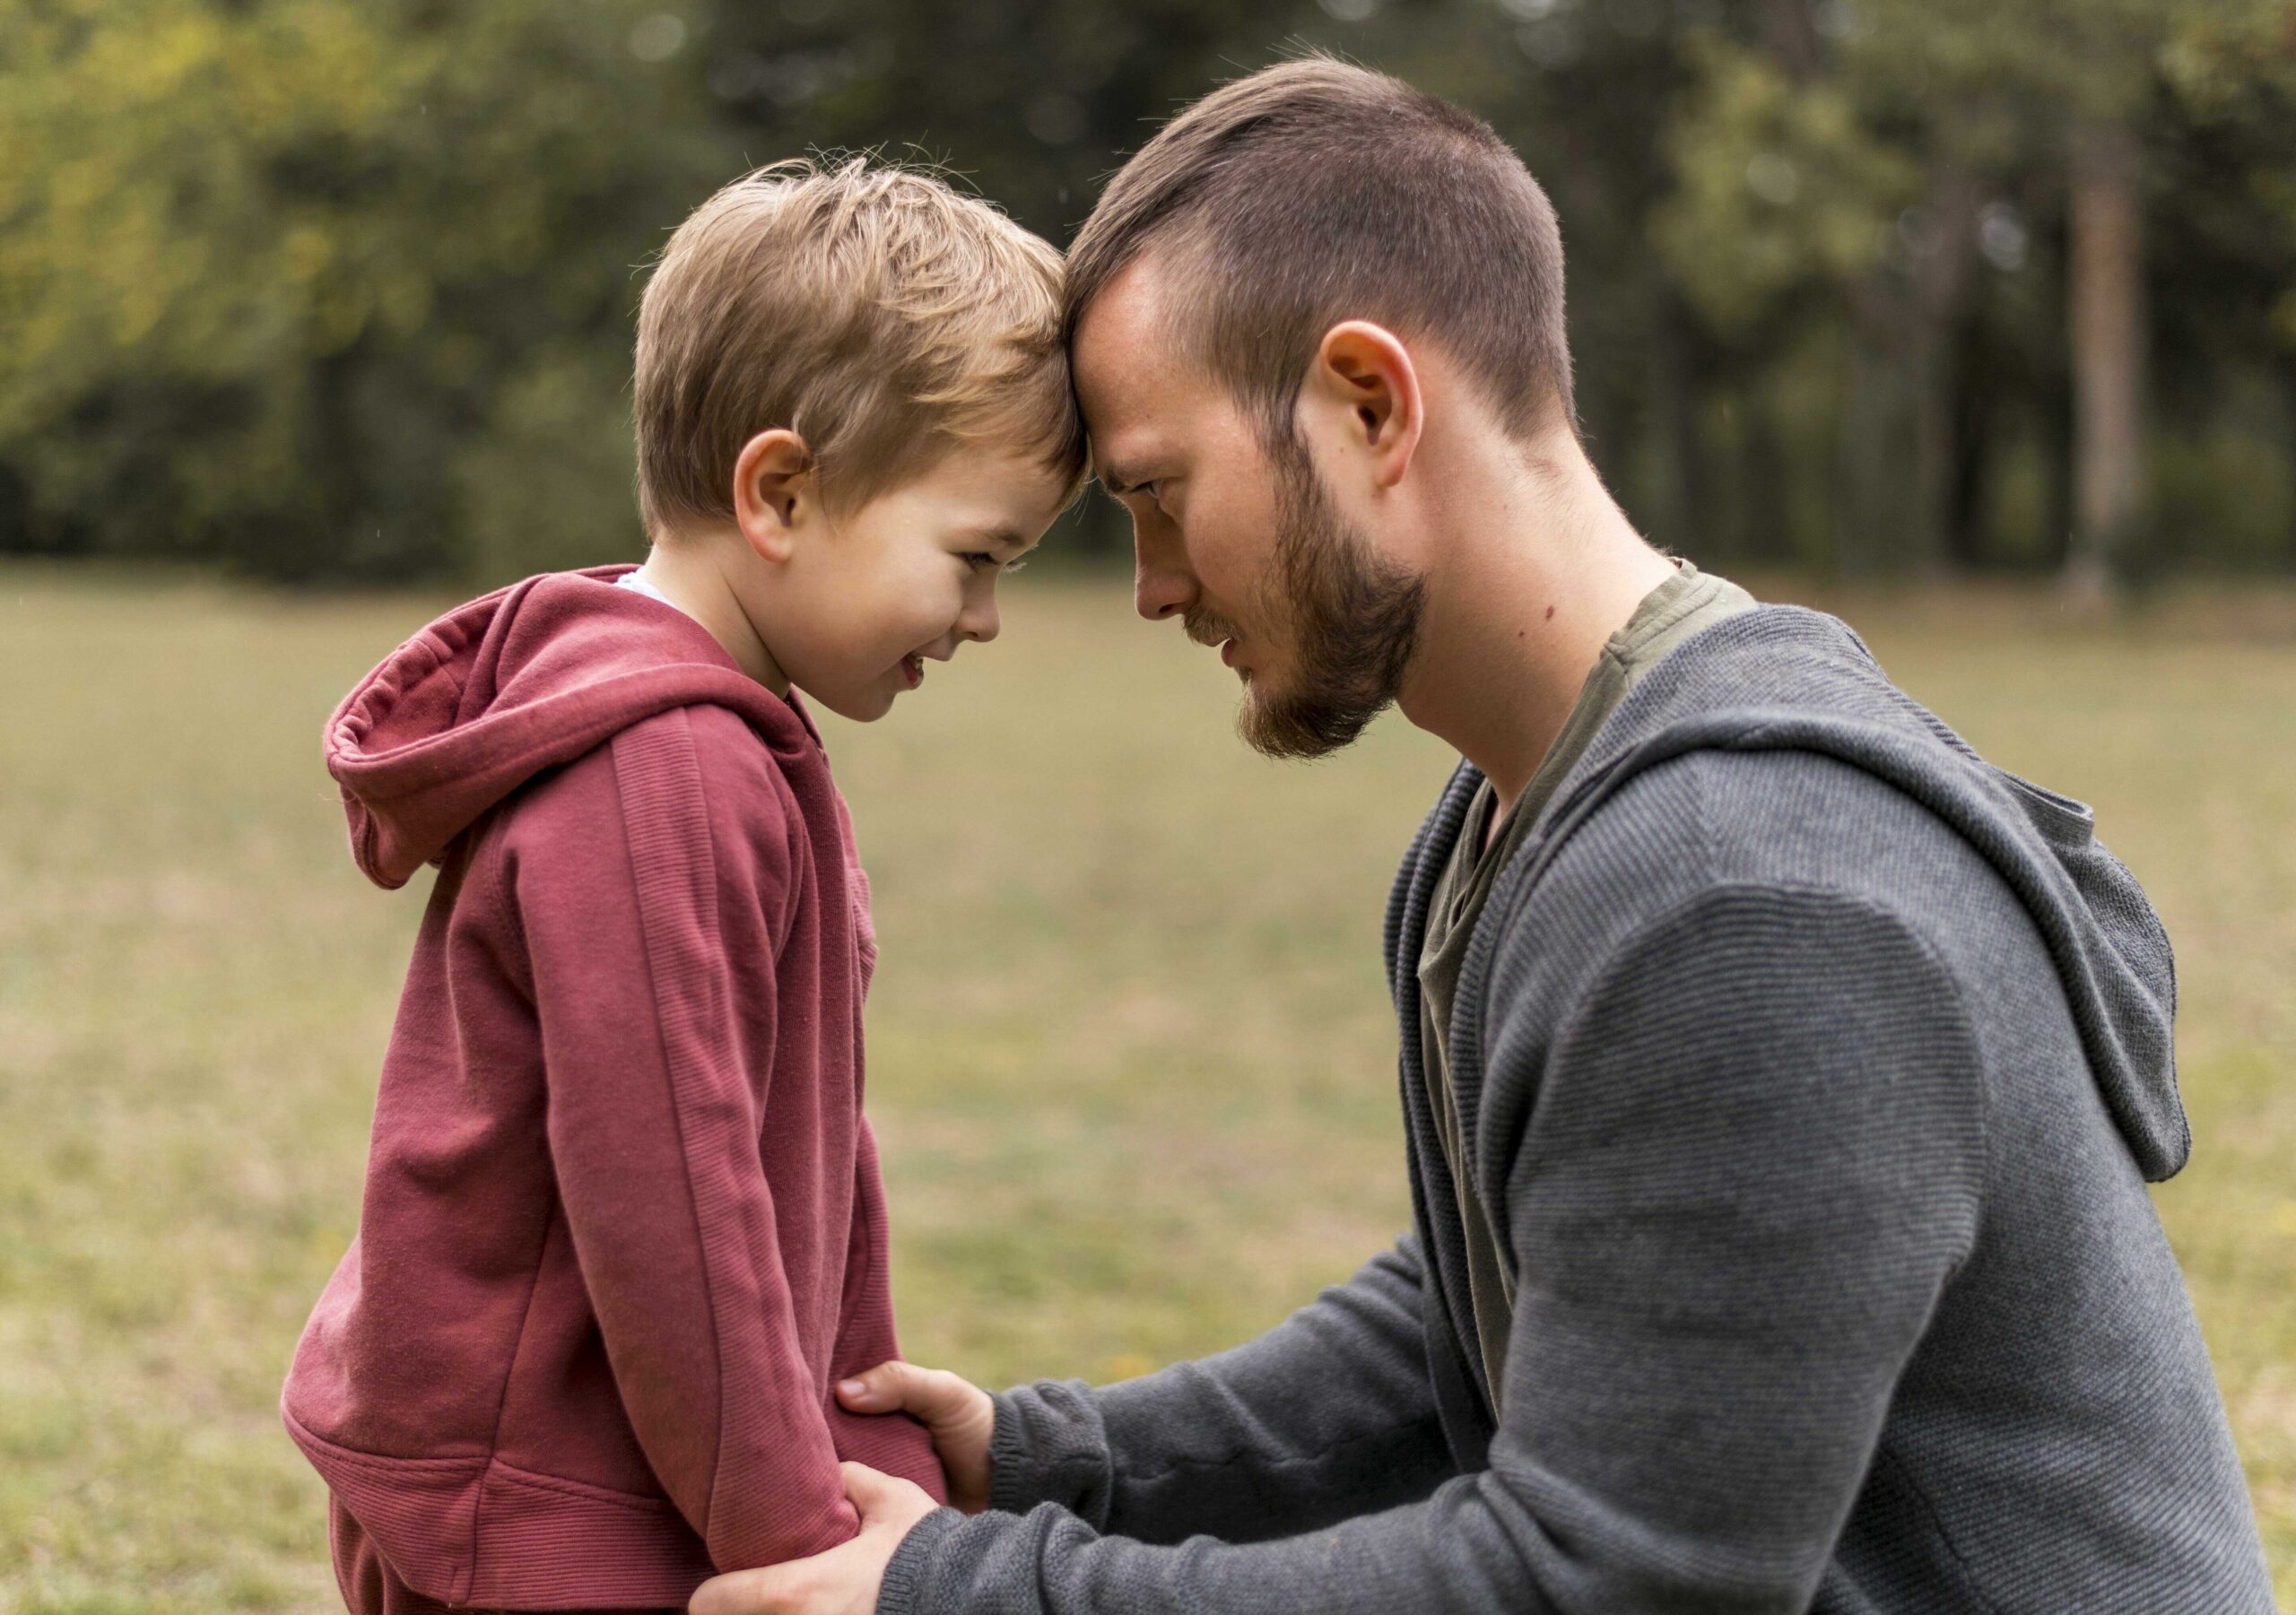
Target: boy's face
{"x":866,"y":599}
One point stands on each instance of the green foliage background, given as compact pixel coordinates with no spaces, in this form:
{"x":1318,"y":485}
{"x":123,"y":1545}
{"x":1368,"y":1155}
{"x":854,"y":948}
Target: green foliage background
{"x":342,"y":290}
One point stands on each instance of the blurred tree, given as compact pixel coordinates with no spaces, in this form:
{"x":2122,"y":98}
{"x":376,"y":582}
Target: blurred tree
{"x":275,"y":270}
{"x":2221,"y":191}
{"x":1890,"y":171}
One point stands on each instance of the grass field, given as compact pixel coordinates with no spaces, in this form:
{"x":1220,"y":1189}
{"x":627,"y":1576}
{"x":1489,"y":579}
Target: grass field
{"x":1129,"y":1054}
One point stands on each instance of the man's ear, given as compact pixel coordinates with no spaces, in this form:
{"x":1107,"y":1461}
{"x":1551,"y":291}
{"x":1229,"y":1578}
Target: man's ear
{"x":773,"y":484}
{"x":1363,"y":382}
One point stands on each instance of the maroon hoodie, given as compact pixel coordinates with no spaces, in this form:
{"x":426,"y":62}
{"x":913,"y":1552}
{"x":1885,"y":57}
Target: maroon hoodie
{"x":623,"y":1227}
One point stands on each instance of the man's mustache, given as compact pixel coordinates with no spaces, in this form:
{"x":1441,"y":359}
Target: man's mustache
{"x":1207,"y":628}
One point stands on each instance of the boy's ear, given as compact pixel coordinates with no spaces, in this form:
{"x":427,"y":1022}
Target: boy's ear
{"x":773,"y":482}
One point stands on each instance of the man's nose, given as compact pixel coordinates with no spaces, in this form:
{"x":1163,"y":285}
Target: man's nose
{"x":1162,"y":586}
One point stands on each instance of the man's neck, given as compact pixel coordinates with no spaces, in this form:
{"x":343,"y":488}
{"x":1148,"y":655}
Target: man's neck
{"x":688,"y":572}
{"x":1539,"y":568}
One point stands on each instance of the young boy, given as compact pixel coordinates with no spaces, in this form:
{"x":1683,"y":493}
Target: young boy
{"x":623,"y":1227}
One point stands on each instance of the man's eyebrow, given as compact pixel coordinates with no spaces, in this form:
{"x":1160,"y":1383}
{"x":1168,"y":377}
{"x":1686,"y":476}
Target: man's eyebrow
{"x":1117,"y":478}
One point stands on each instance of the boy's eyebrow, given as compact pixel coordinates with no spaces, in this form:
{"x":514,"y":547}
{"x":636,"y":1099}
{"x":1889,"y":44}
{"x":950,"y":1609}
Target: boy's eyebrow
{"x":995,"y":538}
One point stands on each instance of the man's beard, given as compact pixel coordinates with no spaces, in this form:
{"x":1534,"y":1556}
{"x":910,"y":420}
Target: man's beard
{"x":1353,"y":617}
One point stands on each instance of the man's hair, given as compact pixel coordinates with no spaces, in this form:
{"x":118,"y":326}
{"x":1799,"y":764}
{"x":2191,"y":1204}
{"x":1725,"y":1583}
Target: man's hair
{"x":873,"y":310}
{"x":1314,"y":192}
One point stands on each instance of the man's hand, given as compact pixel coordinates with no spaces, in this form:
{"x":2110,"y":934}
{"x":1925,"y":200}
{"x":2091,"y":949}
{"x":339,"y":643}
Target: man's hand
{"x":960,"y":1415}
{"x":843,"y":1581}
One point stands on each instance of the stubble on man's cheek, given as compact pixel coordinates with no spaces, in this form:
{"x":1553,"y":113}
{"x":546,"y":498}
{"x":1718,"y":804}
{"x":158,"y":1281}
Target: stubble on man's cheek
{"x":1351,"y":620}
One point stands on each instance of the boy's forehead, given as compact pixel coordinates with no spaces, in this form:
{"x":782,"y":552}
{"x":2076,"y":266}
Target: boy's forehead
{"x":1007,"y":503}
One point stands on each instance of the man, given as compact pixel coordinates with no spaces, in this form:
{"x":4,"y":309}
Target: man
{"x":1780,"y":1079}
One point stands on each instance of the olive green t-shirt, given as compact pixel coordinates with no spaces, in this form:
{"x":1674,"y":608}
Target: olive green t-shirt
{"x":1669,"y":615}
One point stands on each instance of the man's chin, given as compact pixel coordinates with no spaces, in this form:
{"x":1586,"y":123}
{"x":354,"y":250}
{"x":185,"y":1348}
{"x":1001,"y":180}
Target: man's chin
{"x":1294,"y":728}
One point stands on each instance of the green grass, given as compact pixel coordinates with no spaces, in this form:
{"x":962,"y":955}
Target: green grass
{"x":1129,"y":1052}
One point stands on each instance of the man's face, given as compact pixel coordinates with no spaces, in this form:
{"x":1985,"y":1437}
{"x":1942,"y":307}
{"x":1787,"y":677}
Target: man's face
{"x":1248,"y":549}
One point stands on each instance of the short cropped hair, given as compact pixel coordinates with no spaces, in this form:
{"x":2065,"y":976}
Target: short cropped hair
{"x":873,"y":310}
{"x":1314,"y":192}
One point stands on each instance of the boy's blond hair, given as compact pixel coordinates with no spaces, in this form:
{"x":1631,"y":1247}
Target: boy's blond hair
{"x":873,"y":310}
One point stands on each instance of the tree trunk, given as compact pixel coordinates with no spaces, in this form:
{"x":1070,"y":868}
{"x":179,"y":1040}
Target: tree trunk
{"x":1942,"y":270}
{"x":1675,"y":439}
{"x":2105,"y":287}
{"x":1870,"y":513}
{"x":1969,"y":546}
{"x":1766,"y":481}
{"x":2286,"y":368}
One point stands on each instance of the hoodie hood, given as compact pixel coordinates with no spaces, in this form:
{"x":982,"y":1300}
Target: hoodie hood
{"x":526,"y":678}
{"x":1783,"y":678}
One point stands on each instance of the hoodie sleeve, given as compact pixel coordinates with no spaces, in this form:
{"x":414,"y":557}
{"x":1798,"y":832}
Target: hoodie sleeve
{"x":1328,"y":1414}
{"x":1755,"y":1163}
{"x":616,"y":879}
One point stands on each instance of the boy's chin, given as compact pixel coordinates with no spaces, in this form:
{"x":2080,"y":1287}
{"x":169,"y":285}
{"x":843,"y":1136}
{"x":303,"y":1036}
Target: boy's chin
{"x":862,"y":706}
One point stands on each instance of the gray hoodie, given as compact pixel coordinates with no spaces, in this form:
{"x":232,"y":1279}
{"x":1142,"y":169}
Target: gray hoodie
{"x":1812,"y":1069}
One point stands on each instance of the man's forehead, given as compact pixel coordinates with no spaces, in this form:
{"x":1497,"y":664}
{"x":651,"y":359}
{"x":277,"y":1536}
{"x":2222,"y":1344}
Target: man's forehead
{"x":1131,"y":305}
{"x":1132,"y":381}
{"x":1125,"y":337}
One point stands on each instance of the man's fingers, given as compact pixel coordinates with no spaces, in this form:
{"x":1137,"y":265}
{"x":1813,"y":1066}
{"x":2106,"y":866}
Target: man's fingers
{"x":882,"y":1389}
{"x":743,"y":1593}
{"x":898,"y":1386}
{"x":880,"y":1498}
{"x":865,"y":1487}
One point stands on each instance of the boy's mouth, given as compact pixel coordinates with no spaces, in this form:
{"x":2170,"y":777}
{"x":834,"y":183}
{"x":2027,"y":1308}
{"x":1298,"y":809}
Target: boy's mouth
{"x":912,"y":670}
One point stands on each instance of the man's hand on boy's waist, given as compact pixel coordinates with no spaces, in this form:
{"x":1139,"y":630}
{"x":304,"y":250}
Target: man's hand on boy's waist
{"x":960,"y":1414}
{"x":843,"y":1581}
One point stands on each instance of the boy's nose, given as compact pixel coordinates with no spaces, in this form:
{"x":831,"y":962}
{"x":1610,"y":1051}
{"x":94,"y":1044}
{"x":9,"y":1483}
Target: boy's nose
{"x":980,"y":624}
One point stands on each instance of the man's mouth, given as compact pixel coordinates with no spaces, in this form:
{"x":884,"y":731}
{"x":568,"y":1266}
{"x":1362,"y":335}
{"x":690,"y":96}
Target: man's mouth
{"x":912,"y":669}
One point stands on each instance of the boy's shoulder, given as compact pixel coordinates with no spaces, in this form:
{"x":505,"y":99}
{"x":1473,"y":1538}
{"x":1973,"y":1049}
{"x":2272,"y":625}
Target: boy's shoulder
{"x":701,"y":771}
{"x":684,"y":815}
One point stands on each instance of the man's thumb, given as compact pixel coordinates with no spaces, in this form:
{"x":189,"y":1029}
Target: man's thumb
{"x":744,"y":1592}
{"x":883,"y":1389}
{"x":867,"y":1489}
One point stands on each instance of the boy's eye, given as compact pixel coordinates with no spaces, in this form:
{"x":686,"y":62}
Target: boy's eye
{"x":979,"y":559}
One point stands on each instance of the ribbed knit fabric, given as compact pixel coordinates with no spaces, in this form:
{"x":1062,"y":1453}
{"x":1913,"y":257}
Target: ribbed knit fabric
{"x":1812,"y":1069}
{"x":369,"y":1586}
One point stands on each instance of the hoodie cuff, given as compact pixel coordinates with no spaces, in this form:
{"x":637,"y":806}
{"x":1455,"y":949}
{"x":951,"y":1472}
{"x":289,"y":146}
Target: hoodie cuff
{"x":904,"y":1581}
